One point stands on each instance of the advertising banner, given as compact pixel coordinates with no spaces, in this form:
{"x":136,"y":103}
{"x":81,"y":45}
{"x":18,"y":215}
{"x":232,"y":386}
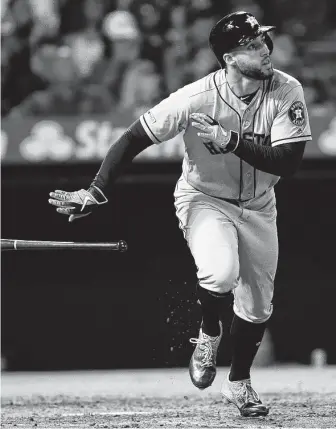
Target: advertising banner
{"x":77,"y":139}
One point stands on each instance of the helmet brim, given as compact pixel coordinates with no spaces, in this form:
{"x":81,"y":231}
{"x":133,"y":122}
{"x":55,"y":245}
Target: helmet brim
{"x":248,"y":38}
{"x":266,"y":28}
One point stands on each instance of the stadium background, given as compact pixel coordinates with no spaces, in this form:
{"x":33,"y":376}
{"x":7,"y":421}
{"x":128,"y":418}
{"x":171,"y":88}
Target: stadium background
{"x":74,"y":75}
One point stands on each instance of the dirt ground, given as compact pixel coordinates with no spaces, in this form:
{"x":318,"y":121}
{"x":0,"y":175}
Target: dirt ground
{"x":299,"y":397}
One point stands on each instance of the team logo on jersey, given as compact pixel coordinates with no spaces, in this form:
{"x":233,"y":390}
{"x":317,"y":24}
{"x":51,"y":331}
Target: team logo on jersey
{"x":296,"y":114}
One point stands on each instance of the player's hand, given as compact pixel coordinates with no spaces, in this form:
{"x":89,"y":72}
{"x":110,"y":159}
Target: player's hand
{"x":210,"y":130}
{"x":77,"y":204}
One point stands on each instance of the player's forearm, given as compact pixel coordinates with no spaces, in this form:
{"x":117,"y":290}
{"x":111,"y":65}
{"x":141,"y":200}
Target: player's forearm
{"x":121,"y":154}
{"x":282,"y":160}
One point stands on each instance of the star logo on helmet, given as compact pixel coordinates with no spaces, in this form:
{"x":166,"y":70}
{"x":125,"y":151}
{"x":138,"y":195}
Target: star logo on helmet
{"x":252,"y":21}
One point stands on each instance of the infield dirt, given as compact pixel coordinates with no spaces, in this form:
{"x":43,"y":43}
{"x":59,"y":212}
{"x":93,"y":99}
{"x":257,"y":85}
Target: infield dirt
{"x":299,"y":397}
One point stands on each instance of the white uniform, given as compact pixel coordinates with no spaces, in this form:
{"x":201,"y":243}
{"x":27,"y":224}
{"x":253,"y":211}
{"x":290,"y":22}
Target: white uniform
{"x":226,"y":207}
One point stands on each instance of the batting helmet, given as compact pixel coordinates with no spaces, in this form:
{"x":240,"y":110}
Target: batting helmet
{"x":236,"y":29}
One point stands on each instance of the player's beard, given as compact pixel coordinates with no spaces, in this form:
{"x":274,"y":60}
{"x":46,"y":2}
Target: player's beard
{"x":254,"y":72}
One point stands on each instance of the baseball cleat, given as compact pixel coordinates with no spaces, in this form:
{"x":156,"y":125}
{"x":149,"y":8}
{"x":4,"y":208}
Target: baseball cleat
{"x":244,"y":397}
{"x":202,"y":366}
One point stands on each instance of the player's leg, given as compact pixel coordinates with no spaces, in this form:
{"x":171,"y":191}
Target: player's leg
{"x":213,"y":306}
{"x":212,"y":239}
{"x":213,"y":243}
{"x":258,"y":256}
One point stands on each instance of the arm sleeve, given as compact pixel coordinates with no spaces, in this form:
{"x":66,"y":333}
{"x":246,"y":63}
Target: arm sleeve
{"x":289,"y":133}
{"x":120,"y":154}
{"x":282,"y":160}
{"x":161,"y":123}
{"x":291,"y":124}
{"x":168,"y":118}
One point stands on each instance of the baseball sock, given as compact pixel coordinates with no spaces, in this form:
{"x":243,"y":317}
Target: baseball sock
{"x":245,"y":341}
{"x":212,"y":305}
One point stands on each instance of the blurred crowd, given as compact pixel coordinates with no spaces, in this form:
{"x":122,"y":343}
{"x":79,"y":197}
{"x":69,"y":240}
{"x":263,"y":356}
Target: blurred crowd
{"x":73,"y":57}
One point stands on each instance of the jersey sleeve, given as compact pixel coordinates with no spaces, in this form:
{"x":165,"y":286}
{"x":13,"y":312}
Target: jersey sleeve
{"x":168,"y":118}
{"x":291,"y":124}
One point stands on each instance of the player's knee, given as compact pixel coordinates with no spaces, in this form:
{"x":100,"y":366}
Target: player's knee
{"x":223,"y":278}
{"x":255,"y":315}
{"x":226,"y":285}
{"x":226,"y":276}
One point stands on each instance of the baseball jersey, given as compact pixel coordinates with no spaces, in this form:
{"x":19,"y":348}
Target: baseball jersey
{"x":277,"y":114}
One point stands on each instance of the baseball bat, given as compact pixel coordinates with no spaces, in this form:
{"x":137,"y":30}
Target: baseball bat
{"x":10,"y":244}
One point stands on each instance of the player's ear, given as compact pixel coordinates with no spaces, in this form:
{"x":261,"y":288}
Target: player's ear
{"x":229,"y":59}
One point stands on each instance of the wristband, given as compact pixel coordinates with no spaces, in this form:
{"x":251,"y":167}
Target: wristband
{"x":233,"y":142}
{"x":97,"y":194}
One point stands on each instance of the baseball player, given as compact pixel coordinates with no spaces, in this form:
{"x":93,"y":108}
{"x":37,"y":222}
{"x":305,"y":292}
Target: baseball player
{"x":244,"y":126}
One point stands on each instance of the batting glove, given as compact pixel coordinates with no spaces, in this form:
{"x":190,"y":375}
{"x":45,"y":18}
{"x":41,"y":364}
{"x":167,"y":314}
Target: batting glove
{"x":211,"y":130}
{"x":77,"y":204}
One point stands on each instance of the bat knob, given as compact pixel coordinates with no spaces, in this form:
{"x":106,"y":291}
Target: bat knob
{"x":122,"y":246}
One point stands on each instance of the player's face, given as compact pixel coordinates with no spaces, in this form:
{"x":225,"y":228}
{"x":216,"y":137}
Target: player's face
{"x":253,"y":59}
